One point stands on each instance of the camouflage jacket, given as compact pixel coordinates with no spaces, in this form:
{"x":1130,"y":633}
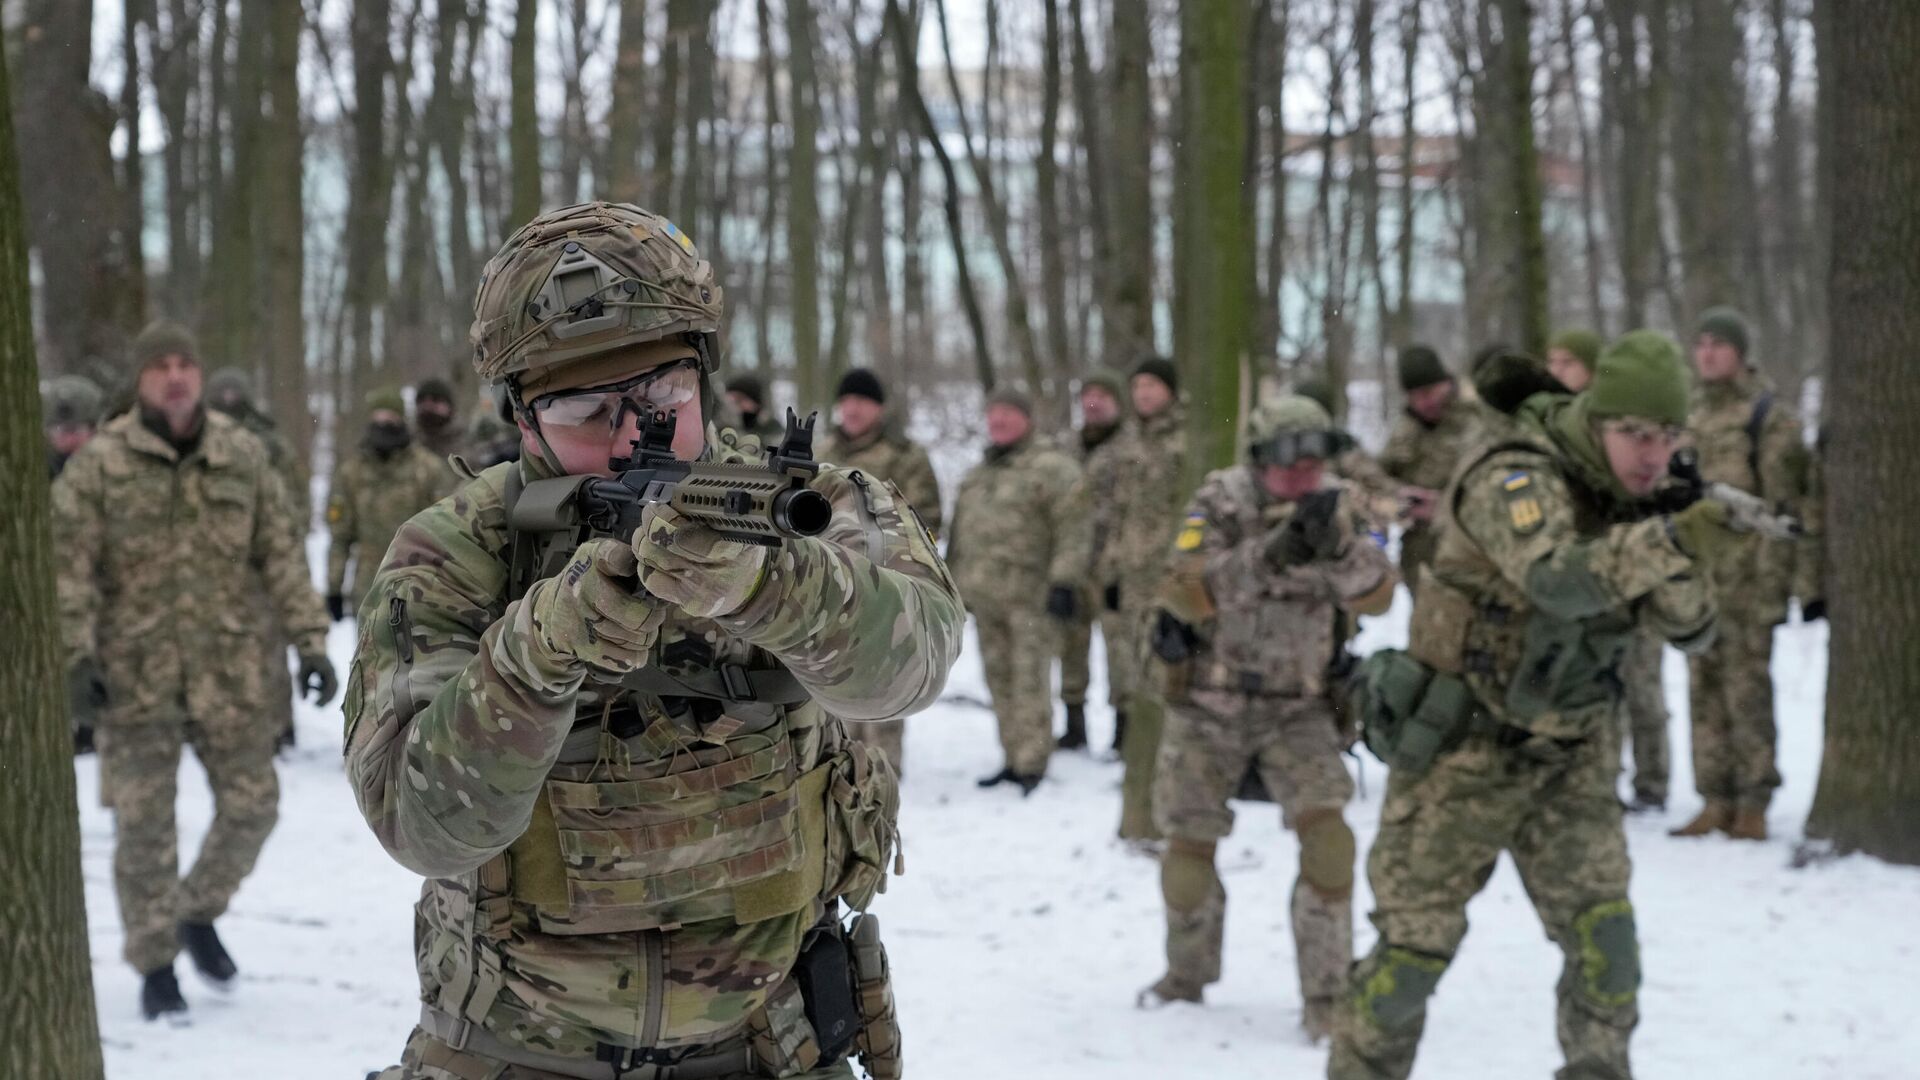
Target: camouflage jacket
{"x":1376,"y":495}
{"x":557,"y":814}
{"x":1427,"y":455}
{"x":1753,"y":582}
{"x":891,"y":457}
{"x":1019,"y":526}
{"x":281,"y":455}
{"x":1534,"y":572}
{"x":369,"y":499}
{"x":1093,"y":449}
{"x":1264,"y":630}
{"x":162,"y":557}
{"x":1140,"y":483}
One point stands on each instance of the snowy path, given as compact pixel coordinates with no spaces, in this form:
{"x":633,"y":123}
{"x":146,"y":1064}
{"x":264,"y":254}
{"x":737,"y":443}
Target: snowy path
{"x":1021,"y":933}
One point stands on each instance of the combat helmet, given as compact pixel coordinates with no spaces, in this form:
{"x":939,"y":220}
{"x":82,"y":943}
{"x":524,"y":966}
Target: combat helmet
{"x":71,"y":399}
{"x":586,"y":280}
{"x":230,"y":390}
{"x":1287,"y":428}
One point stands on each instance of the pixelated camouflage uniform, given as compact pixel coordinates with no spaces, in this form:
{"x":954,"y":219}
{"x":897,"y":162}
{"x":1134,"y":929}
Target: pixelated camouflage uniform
{"x":1732,"y":683}
{"x":278,"y":691}
{"x":1427,"y":455}
{"x":1530,"y":548}
{"x":1145,"y":480}
{"x":1076,"y":635}
{"x":370,"y":497}
{"x":1019,"y":527}
{"x":1257,"y":696}
{"x":610,"y":868}
{"x":163,"y":556}
{"x":889,"y":456}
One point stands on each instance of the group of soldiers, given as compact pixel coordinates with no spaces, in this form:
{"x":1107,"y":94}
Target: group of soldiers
{"x":183,"y":514}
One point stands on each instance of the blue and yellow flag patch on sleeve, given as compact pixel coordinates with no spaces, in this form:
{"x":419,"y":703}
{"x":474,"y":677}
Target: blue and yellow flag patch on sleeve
{"x":1192,"y":531}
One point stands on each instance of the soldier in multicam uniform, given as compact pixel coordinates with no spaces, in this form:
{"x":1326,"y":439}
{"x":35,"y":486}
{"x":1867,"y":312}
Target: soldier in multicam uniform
{"x":1749,"y":439}
{"x":1264,"y":556}
{"x":747,"y":393}
{"x":230,"y":391}
{"x":1099,"y":424}
{"x":1571,"y":356}
{"x":1428,"y":442}
{"x":388,"y":480}
{"x":1019,"y":553}
{"x":866,"y":439}
{"x":1499,"y":719}
{"x":169,"y":518}
{"x":624,"y":764}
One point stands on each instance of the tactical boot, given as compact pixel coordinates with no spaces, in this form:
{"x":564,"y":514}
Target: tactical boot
{"x":284,"y":742}
{"x":995,"y":780}
{"x":1169,"y":989}
{"x":1749,"y":823}
{"x":1075,"y":737}
{"x":160,"y":994}
{"x":83,"y":739}
{"x":1316,"y":1019}
{"x":209,"y":956}
{"x":1027,"y":782}
{"x":1647,"y":803}
{"x":1716,"y":815}
{"x":1119,"y":729}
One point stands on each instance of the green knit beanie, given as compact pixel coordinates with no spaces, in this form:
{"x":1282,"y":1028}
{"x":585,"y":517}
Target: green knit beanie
{"x":1727,"y":324}
{"x":162,"y":339}
{"x":386,"y":397}
{"x":1641,"y":375}
{"x":1105,"y":380}
{"x":1582,"y":343}
{"x":1420,"y":366}
{"x":1013,"y":396}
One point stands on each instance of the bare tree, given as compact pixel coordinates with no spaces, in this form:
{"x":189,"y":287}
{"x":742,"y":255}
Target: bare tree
{"x":524,"y":133}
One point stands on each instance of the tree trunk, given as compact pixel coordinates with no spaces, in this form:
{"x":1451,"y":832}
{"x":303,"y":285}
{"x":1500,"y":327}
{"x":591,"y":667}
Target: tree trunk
{"x":1218,"y":326}
{"x":47,"y":1023}
{"x":280,"y":194}
{"x":229,"y":307}
{"x":524,"y":130}
{"x":1053,"y":255}
{"x":175,"y":74}
{"x":1869,"y":794}
{"x":1089,"y":110}
{"x":1523,"y":172}
{"x":1705,"y":155}
{"x":370,"y":189}
{"x":133,"y":186}
{"x":1129,"y":333}
{"x":626,"y":109}
{"x":803,"y":205}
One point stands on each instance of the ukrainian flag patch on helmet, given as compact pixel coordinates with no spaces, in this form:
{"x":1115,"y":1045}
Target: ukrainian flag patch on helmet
{"x":1191,"y":532}
{"x":685,"y":243}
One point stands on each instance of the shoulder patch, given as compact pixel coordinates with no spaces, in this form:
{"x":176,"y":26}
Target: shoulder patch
{"x":334,"y":513}
{"x":1524,"y":513}
{"x":1192,"y":531}
{"x":1516,"y":481}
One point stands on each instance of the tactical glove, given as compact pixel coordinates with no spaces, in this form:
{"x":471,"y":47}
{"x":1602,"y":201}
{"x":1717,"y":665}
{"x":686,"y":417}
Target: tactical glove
{"x":1112,"y":596}
{"x":317,"y":679}
{"x":593,"y":611}
{"x":693,"y":568}
{"x":1704,"y":530}
{"x":1061,"y":601}
{"x":1309,"y":535}
{"x":1813,"y":610}
{"x":86,"y":687}
{"x":336,"y":606}
{"x":1173,"y":640}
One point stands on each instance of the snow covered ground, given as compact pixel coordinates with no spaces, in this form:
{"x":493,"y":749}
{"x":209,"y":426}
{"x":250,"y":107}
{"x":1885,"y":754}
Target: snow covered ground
{"x":1022,"y":931}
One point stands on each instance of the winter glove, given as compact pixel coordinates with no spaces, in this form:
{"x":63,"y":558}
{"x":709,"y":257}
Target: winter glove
{"x":593,"y":612}
{"x":86,"y":688}
{"x":1309,"y":535}
{"x":1704,"y":530}
{"x":336,"y":606}
{"x":1111,"y":596}
{"x":1813,"y":610}
{"x":1061,"y":602}
{"x":317,"y":679}
{"x":693,"y":568}
{"x":1173,"y":640}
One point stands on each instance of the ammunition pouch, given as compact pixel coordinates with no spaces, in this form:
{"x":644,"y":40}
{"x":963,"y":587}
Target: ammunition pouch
{"x":1410,"y":713}
{"x":878,"y":1043}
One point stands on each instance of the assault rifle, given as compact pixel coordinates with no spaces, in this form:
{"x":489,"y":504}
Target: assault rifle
{"x":1747,"y":512}
{"x":763,"y":504}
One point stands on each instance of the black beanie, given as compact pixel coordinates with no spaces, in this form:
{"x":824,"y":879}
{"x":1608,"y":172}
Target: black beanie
{"x":749,"y":386}
{"x":860,"y":382}
{"x":434,"y":388}
{"x":1160,"y":368}
{"x":1420,"y":366}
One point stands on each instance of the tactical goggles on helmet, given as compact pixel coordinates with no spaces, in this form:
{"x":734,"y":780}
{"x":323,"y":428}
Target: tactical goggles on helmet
{"x":1291,"y":446}
{"x":660,"y":390}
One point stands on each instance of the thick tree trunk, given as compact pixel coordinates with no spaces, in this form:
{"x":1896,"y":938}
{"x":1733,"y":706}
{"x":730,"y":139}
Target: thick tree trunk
{"x":1053,"y":256}
{"x":282,"y":331}
{"x":803,"y":205}
{"x":175,"y":74}
{"x":1090,"y":116}
{"x":370,"y":189}
{"x":524,"y":129}
{"x":1523,"y":172}
{"x":625,"y":111}
{"x":1218,"y":326}
{"x":229,"y":308}
{"x":1869,"y":794}
{"x":1130,"y":171}
{"x":1705,"y":155}
{"x":47,"y":1023}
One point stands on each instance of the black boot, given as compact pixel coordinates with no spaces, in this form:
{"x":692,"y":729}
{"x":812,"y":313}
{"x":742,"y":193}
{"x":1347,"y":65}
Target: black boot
{"x":83,"y":739}
{"x":285,"y":741}
{"x":1027,"y":782}
{"x":1119,"y":730}
{"x":1076,"y":734}
{"x":160,"y":994}
{"x":996,"y":779}
{"x":209,"y":956}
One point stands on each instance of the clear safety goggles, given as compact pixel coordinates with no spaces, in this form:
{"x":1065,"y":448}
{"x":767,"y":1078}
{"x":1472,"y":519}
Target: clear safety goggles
{"x":671,"y":387}
{"x":1285,"y":449}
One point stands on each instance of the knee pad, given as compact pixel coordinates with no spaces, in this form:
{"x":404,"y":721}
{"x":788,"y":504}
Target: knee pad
{"x":1393,"y":987}
{"x":1186,"y":873}
{"x":1609,"y":950}
{"x":1326,"y":853}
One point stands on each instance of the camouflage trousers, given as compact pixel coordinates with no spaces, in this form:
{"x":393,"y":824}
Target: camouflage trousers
{"x":890,"y":736}
{"x":142,"y":755}
{"x":1017,"y":648}
{"x":1645,"y":717}
{"x":1076,"y":642}
{"x":1146,"y":708}
{"x":1207,"y":747}
{"x":1554,"y":810}
{"x":428,"y":1058}
{"x":1732,"y":705}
